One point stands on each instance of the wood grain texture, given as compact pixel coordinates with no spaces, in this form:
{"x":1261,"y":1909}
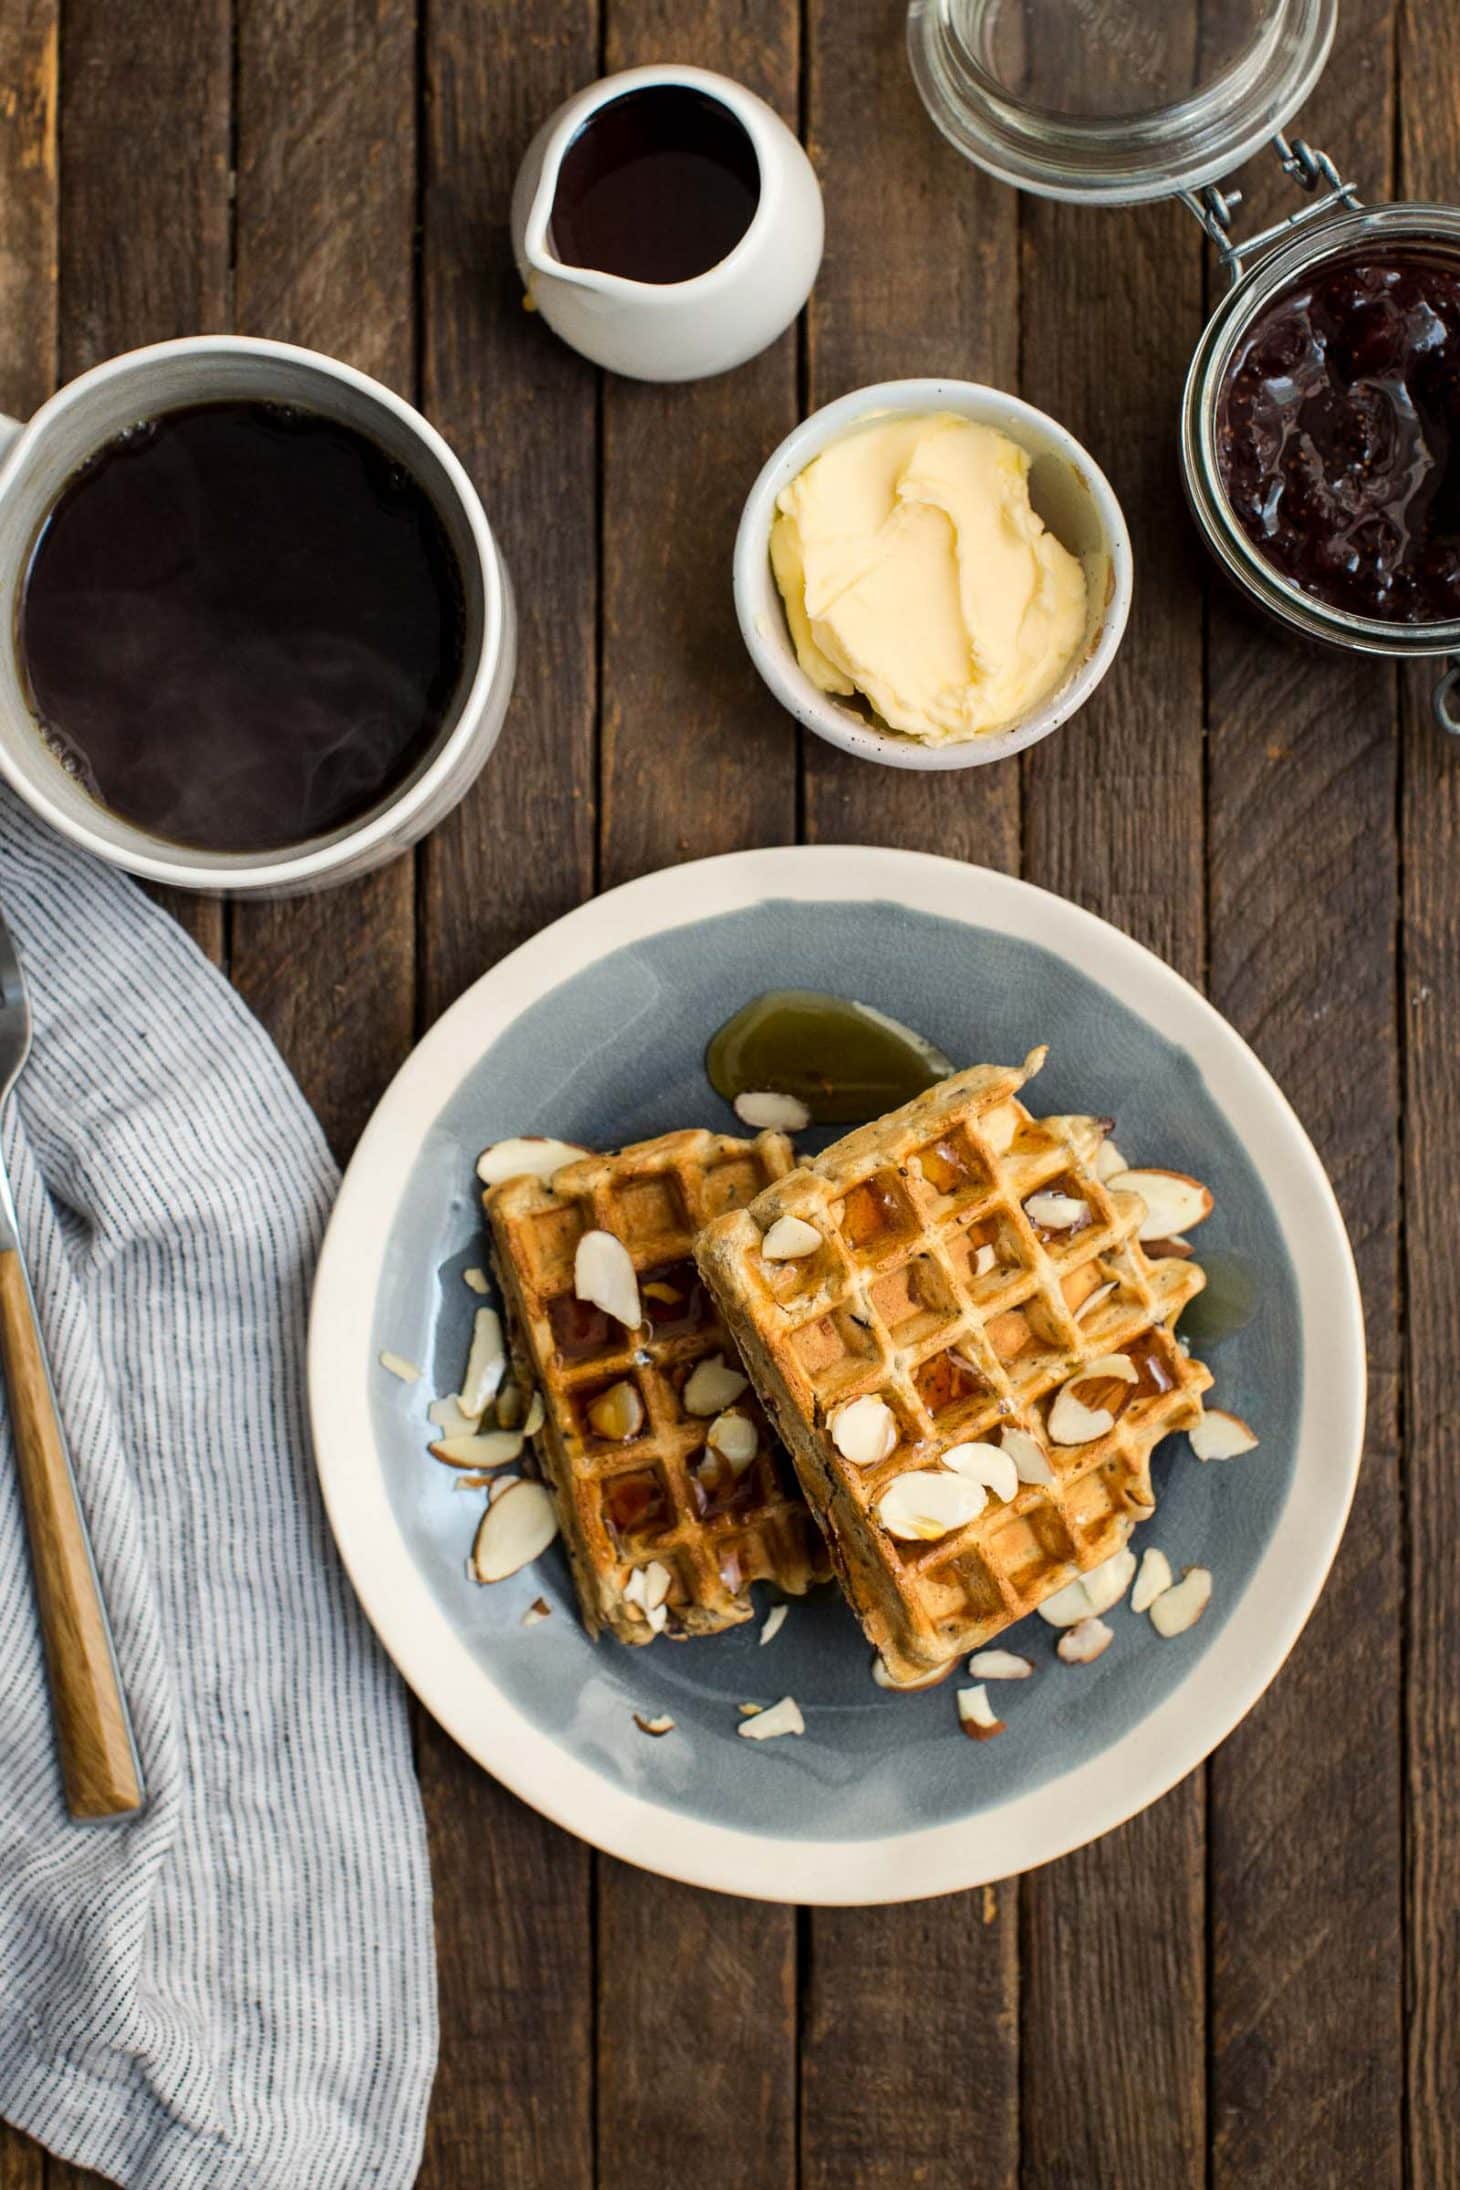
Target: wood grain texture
{"x":695,"y":758}
{"x":1307,"y":1958}
{"x":93,"y":1743}
{"x":910,"y":2045}
{"x":1114,"y":1936}
{"x":1429,"y":155}
{"x":904,"y":2076}
{"x":324,"y":247}
{"x":29,"y":51}
{"x":513,"y":2104}
{"x":143,"y":237}
{"x":921,"y":276}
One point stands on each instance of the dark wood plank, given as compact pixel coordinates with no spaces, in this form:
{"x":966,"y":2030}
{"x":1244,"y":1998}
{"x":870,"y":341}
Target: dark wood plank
{"x":513,"y":2103}
{"x":929,"y":284}
{"x":693,"y":2077}
{"x":1113,"y":1937}
{"x":1307,"y":1965}
{"x":696,"y":756}
{"x":143,"y":241}
{"x":28,"y":123}
{"x":1429,"y":151}
{"x":889,"y":2093}
{"x":324,"y":247}
{"x":910,"y":2045}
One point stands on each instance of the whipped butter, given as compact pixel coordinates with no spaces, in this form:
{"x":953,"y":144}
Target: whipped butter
{"x":914,"y":571}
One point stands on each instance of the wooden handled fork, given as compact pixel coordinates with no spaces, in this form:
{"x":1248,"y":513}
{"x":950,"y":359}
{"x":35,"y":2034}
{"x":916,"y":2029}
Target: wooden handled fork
{"x":98,"y":1756}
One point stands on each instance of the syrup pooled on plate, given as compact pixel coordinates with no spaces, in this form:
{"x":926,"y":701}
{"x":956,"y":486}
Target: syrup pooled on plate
{"x":658,"y":187}
{"x":242,"y":626}
{"x":846,"y":1062}
{"x":1338,"y":436}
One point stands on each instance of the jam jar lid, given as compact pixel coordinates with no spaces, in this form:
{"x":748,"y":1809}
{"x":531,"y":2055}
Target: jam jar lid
{"x":1114,"y":101}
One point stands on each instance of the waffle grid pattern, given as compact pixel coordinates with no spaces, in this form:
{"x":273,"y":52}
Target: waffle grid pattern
{"x":935,"y":1290}
{"x":659,"y":1494}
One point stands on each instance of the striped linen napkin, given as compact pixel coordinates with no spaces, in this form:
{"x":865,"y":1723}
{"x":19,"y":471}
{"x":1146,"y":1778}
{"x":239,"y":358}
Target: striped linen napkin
{"x":237,"y":1987}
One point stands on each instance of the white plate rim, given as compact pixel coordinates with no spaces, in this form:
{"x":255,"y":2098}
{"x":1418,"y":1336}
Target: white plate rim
{"x":1063,"y":1813}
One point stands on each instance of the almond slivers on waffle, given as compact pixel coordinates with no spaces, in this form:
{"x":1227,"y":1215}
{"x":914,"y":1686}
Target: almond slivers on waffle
{"x":971,"y":1362}
{"x":665,"y":1529}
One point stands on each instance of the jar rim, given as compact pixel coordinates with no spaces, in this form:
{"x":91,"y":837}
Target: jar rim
{"x":1124,"y":160}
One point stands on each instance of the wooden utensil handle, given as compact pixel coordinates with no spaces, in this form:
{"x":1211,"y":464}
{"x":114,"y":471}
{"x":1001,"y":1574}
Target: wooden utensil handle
{"x":98,"y":1762}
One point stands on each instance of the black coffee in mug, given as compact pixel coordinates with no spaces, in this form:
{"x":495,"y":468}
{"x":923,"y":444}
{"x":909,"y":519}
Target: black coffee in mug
{"x":242,"y":625}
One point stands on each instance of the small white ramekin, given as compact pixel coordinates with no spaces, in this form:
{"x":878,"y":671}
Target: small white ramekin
{"x":1068,"y":489}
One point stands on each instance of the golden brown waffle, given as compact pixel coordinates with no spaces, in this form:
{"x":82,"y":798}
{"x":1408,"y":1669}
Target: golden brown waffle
{"x":892,"y":1303}
{"x":660,"y":1495}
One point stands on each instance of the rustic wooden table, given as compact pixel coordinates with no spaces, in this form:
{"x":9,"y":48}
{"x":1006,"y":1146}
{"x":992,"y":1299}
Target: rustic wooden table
{"x":1255,"y":1982}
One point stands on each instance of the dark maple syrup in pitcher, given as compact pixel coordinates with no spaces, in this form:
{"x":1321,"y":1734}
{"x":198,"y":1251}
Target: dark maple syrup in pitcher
{"x":242,"y":626}
{"x":658,"y":186}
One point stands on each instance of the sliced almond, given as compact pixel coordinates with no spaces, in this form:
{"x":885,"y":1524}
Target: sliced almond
{"x":735,"y":1438}
{"x":977,"y":1716}
{"x":446,"y":1416}
{"x":539,"y":1609}
{"x":498,"y":1485}
{"x":750,"y":1710}
{"x":1175,"y":1610}
{"x":991,"y":1465}
{"x":1092,"y":1301}
{"x":884,"y":1679}
{"x":1056,"y":1212}
{"x":865,"y":1431}
{"x":1083,"y":1643}
{"x":662,"y":1725}
{"x":1221,"y":1436}
{"x":1174,"y":1202}
{"x":985,"y":1259}
{"x":770,"y":1112}
{"x":1031,"y":1461}
{"x":712,"y":1385}
{"x":782,"y":1718}
{"x":1081,"y":1133}
{"x":515,"y":1529}
{"x":485,"y":1364}
{"x":999,"y":1127}
{"x":476,"y":1279}
{"x":604,"y":1275}
{"x":536,"y":1415}
{"x":999,"y":1665}
{"x":1108,"y":1162}
{"x":510,"y":1408}
{"x":1153,"y":1581}
{"x":1088,"y":1595}
{"x":1071,"y":1422}
{"x":775,"y":1620}
{"x":397,"y":1364}
{"x":486,"y":1449}
{"x":648,"y":1586}
{"x":925,"y":1505}
{"x":790,"y":1239}
{"x":529,"y":1156}
{"x":618,"y":1413}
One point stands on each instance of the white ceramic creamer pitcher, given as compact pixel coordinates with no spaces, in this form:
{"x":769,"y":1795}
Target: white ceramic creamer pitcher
{"x":654,"y":307}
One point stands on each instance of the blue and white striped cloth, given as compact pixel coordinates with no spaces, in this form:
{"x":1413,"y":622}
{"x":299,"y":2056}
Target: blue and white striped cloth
{"x":236,"y":1990}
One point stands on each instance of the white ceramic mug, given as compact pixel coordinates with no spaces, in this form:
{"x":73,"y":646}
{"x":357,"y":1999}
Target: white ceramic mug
{"x":680,"y":330}
{"x":37,"y":459}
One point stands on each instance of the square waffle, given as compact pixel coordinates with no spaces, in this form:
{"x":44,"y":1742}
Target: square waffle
{"x":934,"y":1290}
{"x":659,"y":1494}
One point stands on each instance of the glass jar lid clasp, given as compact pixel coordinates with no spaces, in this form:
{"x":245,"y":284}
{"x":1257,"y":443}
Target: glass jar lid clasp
{"x":1311,"y":170}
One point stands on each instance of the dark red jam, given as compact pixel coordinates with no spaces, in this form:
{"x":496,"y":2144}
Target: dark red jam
{"x":1338,"y":436}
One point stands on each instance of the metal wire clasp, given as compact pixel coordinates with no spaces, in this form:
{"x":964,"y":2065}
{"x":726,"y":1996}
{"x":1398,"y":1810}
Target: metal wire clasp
{"x":1310,"y":170}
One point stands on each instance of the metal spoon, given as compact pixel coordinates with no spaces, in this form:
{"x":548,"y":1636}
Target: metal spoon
{"x":100,"y":1769}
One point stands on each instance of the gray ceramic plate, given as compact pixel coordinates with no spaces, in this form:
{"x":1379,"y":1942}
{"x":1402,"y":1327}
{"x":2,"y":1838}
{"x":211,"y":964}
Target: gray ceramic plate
{"x":595,"y":1032}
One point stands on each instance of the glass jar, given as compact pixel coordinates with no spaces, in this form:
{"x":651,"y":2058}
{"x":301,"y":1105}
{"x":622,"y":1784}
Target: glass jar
{"x":1118,"y":101}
